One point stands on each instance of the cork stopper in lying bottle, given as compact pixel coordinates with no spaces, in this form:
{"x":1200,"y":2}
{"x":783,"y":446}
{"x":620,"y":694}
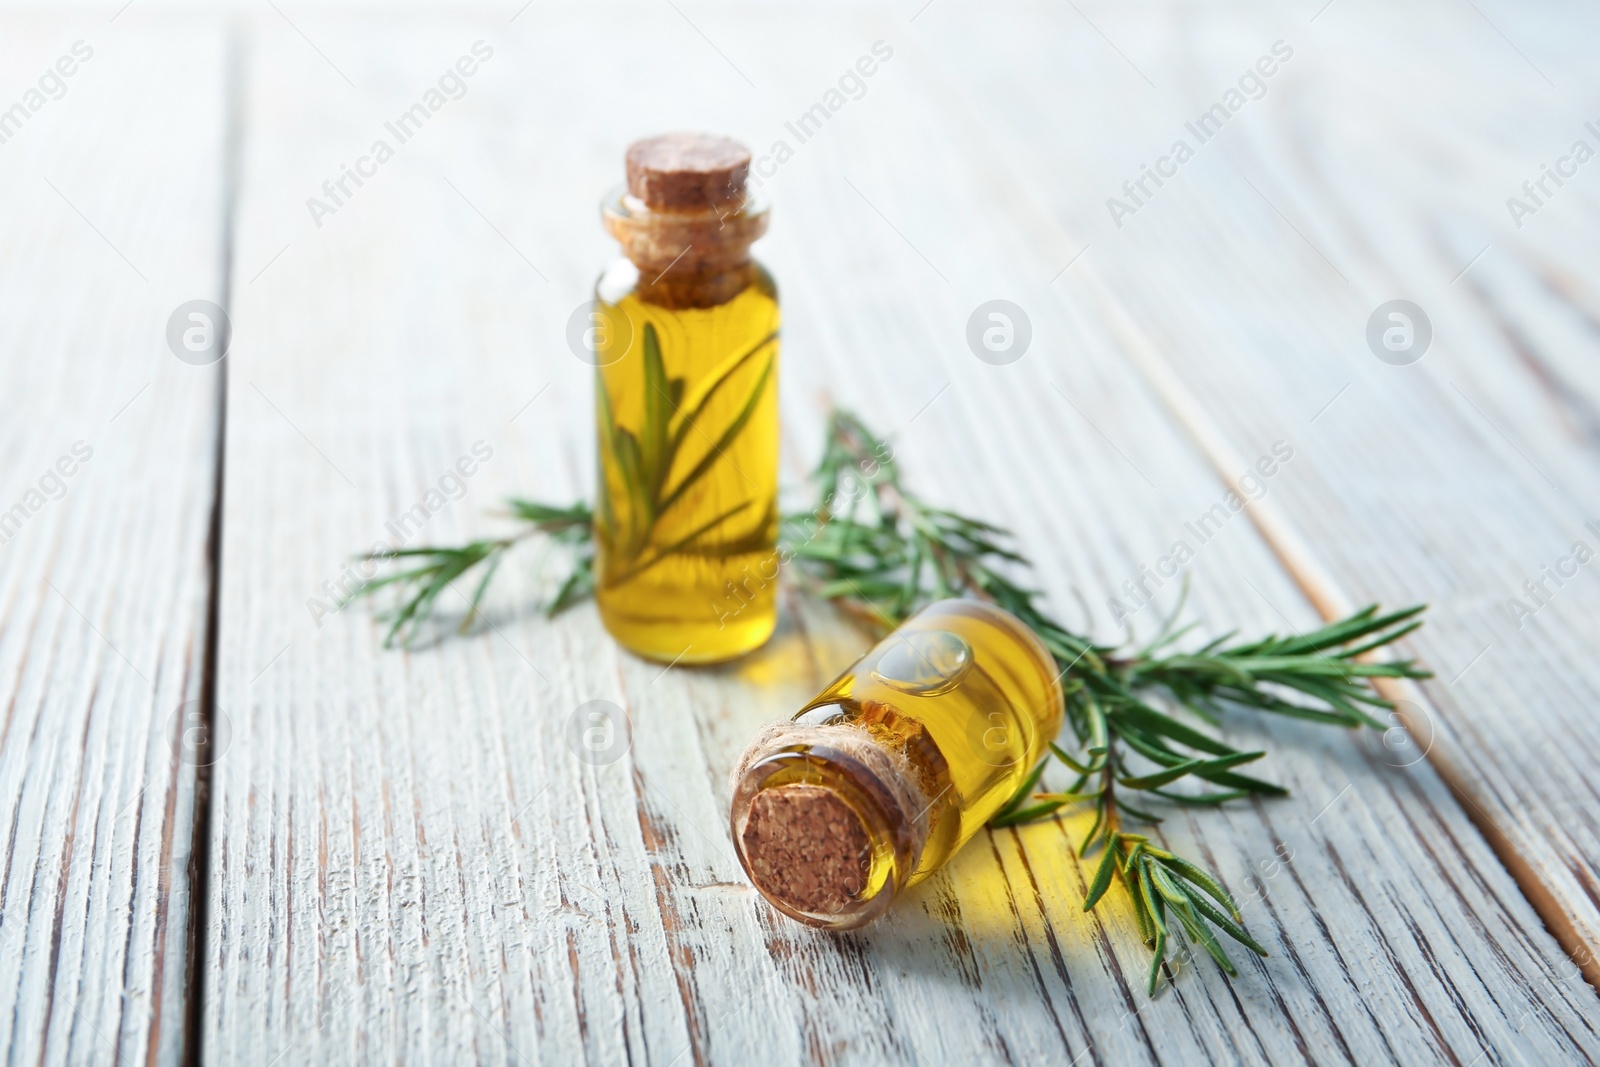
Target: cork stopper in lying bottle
{"x":829,"y":822}
{"x":807,"y":847}
{"x":686,"y":219}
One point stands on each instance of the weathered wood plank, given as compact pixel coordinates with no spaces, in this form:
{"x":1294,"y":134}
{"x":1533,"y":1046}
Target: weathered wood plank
{"x":411,"y":863}
{"x":114,"y":216}
{"x":1452,"y":481}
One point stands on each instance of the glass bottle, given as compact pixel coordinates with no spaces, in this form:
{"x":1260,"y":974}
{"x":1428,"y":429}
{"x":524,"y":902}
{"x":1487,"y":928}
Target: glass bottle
{"x":880,"y":779}
{"x":686,"y":398}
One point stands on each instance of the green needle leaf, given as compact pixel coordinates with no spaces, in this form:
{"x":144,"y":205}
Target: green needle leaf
{"x":1102,"y":878}
{"x":718,"y":450}
{"x":707,"y":387}
{"x":1223,"y":923}
{"x":1204,"y":880}
{"x":1194,"y":766}
{"x":655,"y":458}
{"x":1068,"y":760}
{"x":1156,"y":960}
{"x":1027,"y":814}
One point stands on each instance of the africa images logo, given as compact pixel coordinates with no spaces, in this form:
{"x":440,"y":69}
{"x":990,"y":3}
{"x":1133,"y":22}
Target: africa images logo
{"x":1137,"y":192}
{"x":452,"y":85}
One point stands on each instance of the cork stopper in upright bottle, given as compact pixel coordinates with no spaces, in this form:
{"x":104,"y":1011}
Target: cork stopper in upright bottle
{"x":687,"y":171}
{"x":686,"y":220}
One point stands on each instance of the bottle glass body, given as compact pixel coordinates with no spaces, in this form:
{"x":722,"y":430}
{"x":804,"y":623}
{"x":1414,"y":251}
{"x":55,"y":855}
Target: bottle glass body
{"x":687,"y":423}
{"x":968,"y":696}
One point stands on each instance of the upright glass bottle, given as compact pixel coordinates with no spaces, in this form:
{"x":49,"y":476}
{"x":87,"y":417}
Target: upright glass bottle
{"x":882,"y":777}
{"x":686,"y":400}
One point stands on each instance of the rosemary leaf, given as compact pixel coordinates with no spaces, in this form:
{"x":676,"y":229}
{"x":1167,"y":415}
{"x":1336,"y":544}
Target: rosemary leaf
{"x":1102,"y":878}
{"x":1029,"y":813}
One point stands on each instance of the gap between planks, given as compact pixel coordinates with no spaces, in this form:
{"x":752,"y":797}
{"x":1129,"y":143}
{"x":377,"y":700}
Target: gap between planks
{"x":200,"y":851}
{"x":1331,"y":603}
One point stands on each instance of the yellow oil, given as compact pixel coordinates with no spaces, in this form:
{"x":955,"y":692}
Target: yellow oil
{"x":687,"y":521}
{"x":968,"y":693}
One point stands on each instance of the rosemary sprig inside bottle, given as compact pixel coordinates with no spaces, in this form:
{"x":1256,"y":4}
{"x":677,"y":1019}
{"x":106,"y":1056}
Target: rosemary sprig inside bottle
{"x":645,"y":462}
{"x":880,"y":552}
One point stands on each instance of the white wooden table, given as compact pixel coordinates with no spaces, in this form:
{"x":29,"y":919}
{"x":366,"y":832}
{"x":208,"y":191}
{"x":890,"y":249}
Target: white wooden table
{"x":396,"y":857}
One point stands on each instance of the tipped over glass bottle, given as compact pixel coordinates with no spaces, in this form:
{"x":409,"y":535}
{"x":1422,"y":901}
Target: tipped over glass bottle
{"x":686,"y":396}
{"x":880,"y":779}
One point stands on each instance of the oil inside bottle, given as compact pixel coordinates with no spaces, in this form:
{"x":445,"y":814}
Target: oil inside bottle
{"x":687,"y":543}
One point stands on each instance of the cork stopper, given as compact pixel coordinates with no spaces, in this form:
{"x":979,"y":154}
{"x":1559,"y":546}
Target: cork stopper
{"x":687,"y":171}
{"x":686,"y":219}
{"x":806,"y":847}
{"x":816,"y":809}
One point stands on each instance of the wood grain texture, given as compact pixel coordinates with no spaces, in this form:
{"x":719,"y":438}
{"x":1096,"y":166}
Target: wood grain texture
{"x":410,"y":863}
{"x":113,"y":218}
{"x":1453,"y":481}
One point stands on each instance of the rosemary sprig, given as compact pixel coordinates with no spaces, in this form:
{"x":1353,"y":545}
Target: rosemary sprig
{"x":436,"y":568}
{"x":644,"y":462}
{"x":881,"y":553}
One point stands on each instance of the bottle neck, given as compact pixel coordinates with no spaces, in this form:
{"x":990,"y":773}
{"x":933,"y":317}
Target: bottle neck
{"x":668,"y":286}
{"x":686,"y":259}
